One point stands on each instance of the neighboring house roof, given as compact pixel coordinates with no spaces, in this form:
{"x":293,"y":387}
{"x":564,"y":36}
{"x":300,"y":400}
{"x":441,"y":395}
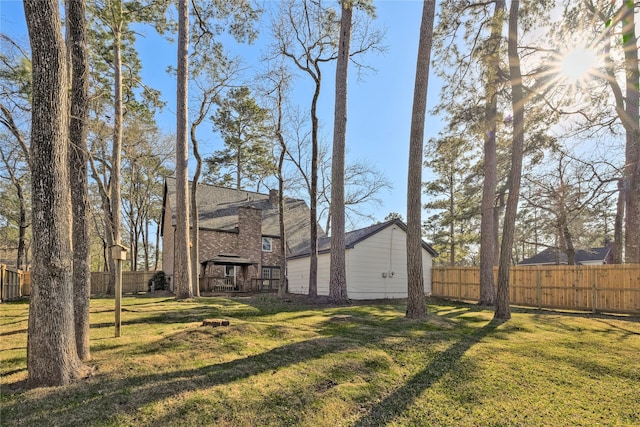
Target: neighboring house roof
{"x":218,"y":210}
{"x":351,"y":238}
{"x":556,"y":256}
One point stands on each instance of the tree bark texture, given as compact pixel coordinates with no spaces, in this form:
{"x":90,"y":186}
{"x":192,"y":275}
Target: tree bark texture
{"x":338,"y":279}
{"x":631,"y":121}
{"x":502,"y":308}
{"x":488,"y":223}
{"x":182,"y":279}
{"x":416,"y":304}
{"x":115,"y":205}
{"x":195,"y":221}
{"x":116,"y":154}
{"x":618,"y":228}
{"x":79,"y":179}
{"x":52,"y":358}
{"x":313,"y":194}
{"x":282,"y":288}
{"x":22,"y":230}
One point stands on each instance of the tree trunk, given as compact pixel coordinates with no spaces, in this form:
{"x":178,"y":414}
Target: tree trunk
{"x":618,"y":226}
{"x":503,"y":309}
{"x":487,"y":223}
{"x":116,"y":154}
{"x":452,"y":225}
{"x":182,"y":279}
{"x":195,"y":221}
{"x":147,"y":243}
{"x":631,"y":121}
{"x":9,"y":123}
{"x":313,"y":193}
{"x":338,"y":279}
{"x":156,"y":255}
{"x":107,"y":239}
{"x":195,"y":241}
{"x":52,"y":358}
{"x":79,"y":180}
{"x":22,"y":231}
{"x":22,"y":220}
{"x":568,"y":239}
{"x":282,"y":288}
{"x":416,"y":304}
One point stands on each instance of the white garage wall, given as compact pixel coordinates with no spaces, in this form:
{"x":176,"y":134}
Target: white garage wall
{"x":298,"y":275}
{"x":382,"y":254}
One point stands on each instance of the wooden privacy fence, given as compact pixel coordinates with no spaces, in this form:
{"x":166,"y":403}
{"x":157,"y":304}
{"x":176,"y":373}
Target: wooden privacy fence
{"x":13,"y":283}
{"x":132,"y":282}
{"x":16,"y":284}
{"x":608,"y":288}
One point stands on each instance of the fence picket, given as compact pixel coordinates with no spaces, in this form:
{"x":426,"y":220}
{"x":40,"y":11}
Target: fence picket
{"x":609,"y":288}
{"x":15,"y":284}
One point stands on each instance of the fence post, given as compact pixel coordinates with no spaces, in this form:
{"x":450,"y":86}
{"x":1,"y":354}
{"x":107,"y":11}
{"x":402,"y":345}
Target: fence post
{"x":460,"y":284}
{"x":20,"y":282}
{"x":594,"y":292}
{"x":539,"y":288}
{"x":3,"y":269}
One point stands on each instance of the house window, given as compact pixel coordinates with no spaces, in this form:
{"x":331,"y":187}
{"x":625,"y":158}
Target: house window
{"x":266,"y":244}
{"x":270,"y":278}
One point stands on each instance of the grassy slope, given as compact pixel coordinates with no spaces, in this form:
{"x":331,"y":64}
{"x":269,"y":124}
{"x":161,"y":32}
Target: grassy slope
{"x":289,"y":364}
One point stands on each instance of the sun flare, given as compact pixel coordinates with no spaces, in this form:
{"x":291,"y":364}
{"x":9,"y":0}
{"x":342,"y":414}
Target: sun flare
{"x":577,"y":64}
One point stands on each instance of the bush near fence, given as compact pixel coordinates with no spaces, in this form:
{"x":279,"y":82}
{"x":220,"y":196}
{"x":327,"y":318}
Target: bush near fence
{"x":16,"y":284}
{"x":595,"y":288}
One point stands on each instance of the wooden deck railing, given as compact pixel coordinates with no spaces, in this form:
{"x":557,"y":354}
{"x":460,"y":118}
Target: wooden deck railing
{"x":218,"y":284}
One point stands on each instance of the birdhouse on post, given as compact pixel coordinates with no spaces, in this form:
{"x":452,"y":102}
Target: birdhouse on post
{"x":119,"y":252}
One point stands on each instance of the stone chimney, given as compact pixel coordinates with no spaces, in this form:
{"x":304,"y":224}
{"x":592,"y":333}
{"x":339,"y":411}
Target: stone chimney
{"x":273,"y":197}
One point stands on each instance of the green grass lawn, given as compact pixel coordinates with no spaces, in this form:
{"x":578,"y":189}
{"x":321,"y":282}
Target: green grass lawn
{"x":292,"y":363}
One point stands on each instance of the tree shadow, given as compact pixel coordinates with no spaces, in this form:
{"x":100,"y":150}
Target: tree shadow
{"x":398,"y":402}
{"x":623,"y":331}
{"x":135,"y":392}
{"x":15,"y":332}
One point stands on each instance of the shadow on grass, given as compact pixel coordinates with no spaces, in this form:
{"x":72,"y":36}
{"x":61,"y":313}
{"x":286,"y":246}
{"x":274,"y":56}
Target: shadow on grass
{"x":399,"y":401}
{"x":127,"y":394}
{"x":623,"y":331}
{"x":16,"y":332}
{"x":171,"y":315}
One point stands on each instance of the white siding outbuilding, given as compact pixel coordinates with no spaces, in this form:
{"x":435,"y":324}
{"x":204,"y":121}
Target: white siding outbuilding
{"x":376,"y":264}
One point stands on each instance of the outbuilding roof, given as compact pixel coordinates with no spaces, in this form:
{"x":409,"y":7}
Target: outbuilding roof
{"x":352,"y":238}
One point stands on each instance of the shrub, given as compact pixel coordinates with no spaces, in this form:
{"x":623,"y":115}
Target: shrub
{"x":158,"y":281}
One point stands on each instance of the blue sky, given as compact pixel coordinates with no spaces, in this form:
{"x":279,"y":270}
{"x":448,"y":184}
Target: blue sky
{"x":379,"y":107}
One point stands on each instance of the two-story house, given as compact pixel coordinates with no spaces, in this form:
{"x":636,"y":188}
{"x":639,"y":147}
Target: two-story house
{"x":239,"y":236}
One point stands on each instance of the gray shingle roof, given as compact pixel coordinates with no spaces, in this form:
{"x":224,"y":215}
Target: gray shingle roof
{"x":556,"y":256}
{"x":218,"y":210}
{"x":353,"y":237}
